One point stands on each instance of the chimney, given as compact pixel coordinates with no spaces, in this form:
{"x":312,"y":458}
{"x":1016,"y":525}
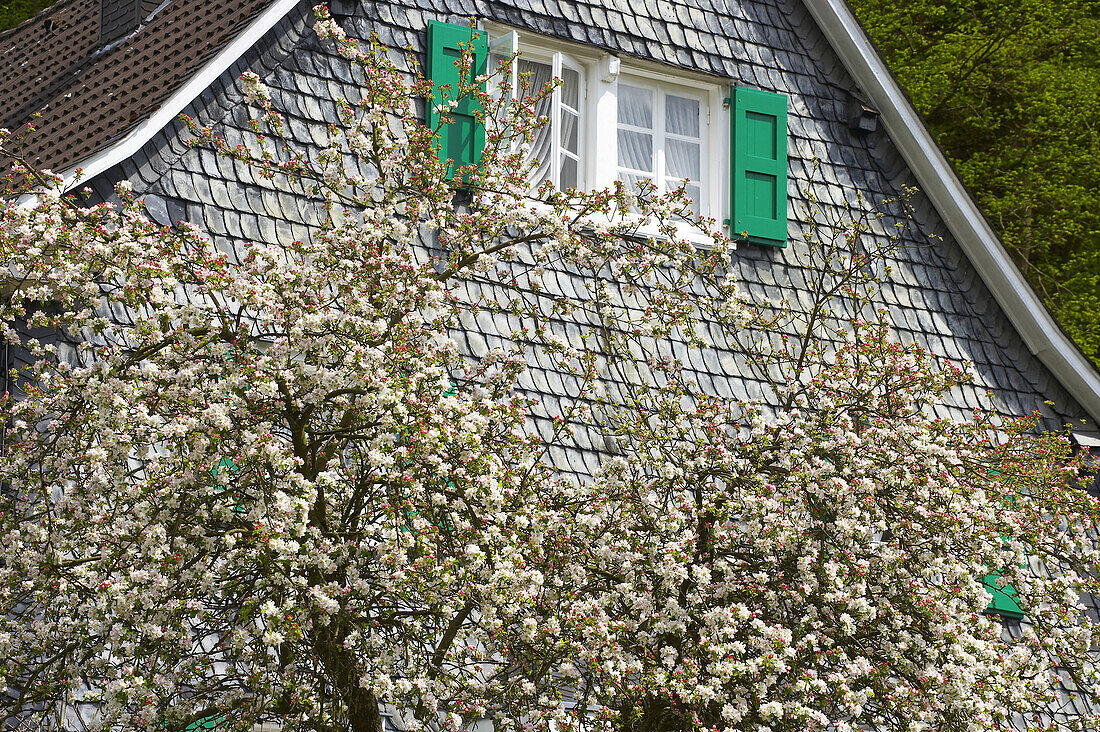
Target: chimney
{"x":118,"y":18}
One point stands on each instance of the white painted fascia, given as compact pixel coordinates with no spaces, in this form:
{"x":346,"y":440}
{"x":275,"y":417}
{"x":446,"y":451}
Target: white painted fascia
{"x":133,"y":141}
{"x":1091,"y":441}
{"x":939,"y":182}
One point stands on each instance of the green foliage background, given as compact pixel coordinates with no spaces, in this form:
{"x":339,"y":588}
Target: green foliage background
{"x":1012,"y":92}
{"x":14,"y":12}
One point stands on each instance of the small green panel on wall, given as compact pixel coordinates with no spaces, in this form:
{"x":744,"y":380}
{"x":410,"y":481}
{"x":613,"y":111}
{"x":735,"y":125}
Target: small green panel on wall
{"x":458,"y":144}
{"x":463,"y":139}
{"x":760,"y":135}
{"x":1004,"y":600}
{"x":758,"y":168}
{"x":760,"y":195}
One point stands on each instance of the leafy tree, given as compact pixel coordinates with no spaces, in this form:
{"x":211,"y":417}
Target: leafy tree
{"x":270,"y":488}
{"x":1012,"y":93}
{"x":15,"y":12}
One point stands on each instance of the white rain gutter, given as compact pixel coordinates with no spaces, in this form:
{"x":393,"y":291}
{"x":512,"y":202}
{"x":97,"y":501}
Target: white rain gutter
{"x":1044,"y":338}
{"x":136,"y":138}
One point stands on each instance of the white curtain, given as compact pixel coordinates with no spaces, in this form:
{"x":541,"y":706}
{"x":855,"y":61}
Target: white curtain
{"x":540,"y":75}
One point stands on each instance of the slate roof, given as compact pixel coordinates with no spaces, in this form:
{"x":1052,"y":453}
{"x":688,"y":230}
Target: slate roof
{"x":90,"y":96}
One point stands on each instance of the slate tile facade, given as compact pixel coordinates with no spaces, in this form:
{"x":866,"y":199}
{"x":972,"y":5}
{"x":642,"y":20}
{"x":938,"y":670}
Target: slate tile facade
{"x":934,"y":296}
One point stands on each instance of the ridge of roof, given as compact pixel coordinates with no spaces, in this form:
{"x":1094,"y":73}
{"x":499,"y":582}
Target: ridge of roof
{"x":941,"y":184}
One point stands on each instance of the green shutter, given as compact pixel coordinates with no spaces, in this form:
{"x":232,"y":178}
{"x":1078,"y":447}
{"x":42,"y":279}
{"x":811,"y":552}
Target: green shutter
{"x":462,"y":140}
{"x":1004,"y":599}
{"x":203,"y":725}
{"x":226,"y":463}
{"x":758,"y":146}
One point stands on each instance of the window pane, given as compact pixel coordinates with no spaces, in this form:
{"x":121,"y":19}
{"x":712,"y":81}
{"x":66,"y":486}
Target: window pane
{"x":696,"y":195}
{"x":571,"y":87}
{"x":635,"y":150}
{"x":682,"y":159}
{"x":569,"y":137}
{"x":568,"y":173}
{"x":539,"y":75}
{"x":681,"y":116}
{"x":691,"y":190}
{"x":635,"y":106}
{"x":540,"y":150}
{"x":495,"y":60}
{"x":632,"y":181}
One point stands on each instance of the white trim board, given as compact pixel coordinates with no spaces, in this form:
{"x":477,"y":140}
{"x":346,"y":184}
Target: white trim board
{"x":1043,"y":336}
{"x":136,"y":138}
{"x":1091,"y":441}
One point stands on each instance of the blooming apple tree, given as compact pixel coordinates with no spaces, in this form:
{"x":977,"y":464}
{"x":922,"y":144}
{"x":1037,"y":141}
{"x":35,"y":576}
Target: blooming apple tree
{"x":267,"y":485}
{"x":823,"y":557}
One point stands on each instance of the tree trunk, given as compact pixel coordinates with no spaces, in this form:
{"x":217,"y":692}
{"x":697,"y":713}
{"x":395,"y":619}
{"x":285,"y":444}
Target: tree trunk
{"x":344,"y":672}
{"x":648,"y":714}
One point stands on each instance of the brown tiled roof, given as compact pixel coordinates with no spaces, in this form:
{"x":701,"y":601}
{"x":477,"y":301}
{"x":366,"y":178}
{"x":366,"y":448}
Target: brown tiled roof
{"x":89,"y":97}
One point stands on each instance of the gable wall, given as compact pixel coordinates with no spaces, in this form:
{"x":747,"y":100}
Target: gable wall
{"x":934,"y":295}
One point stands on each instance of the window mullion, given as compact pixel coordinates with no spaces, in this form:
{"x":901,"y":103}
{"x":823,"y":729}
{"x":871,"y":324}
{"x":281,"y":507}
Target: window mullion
{"x":717,"y":140}
{"x":555,"y":122}
{"x":659,"y":140}
{"x":582,"y":126}
{"x":603,"y":144}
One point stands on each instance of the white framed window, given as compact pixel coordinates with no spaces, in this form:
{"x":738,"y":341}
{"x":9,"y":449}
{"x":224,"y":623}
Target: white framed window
{"x":558,"y":146}
{"x":622,"y":119}
{"x":661,"y":136}
{"x":667,"y":127}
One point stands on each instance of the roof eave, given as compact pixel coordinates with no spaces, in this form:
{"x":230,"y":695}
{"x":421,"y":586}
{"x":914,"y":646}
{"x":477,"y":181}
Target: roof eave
{"x":938,"y":181}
